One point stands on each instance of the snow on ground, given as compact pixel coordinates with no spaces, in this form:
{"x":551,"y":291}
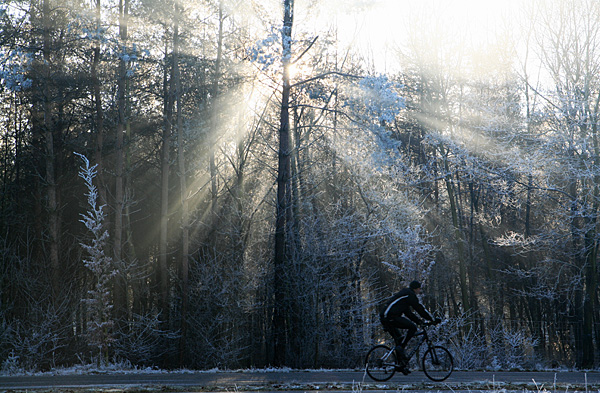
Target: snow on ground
{"x":124,"y":368}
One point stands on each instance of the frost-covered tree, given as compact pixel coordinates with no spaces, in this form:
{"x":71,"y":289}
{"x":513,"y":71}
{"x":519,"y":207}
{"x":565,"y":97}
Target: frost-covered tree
{"x":571,"y":55}
{"x":99,"y":304}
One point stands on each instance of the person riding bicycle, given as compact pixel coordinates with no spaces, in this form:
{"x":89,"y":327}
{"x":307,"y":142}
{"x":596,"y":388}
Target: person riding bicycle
{"x":397,"y":313}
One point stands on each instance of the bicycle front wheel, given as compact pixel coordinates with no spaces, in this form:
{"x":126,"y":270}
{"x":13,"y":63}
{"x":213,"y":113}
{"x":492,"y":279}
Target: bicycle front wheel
{"x":381,"y":363}
{"x":437,"y":363}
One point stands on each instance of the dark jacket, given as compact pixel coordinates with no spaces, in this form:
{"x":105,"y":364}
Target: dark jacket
{"x":402,"y":303}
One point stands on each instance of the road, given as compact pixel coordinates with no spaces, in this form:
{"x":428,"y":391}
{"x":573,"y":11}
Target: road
{"x":322,"y":381}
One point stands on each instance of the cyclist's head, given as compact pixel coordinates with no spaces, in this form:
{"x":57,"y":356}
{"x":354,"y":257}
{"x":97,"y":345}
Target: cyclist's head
{"x":415,"y":285}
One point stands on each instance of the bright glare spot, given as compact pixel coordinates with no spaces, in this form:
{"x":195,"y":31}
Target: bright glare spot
{"x":298,"y":71}
{"x":293,"y":70}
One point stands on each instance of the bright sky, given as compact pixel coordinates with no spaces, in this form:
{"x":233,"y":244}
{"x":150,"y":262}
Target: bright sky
{"x":380,"y":27}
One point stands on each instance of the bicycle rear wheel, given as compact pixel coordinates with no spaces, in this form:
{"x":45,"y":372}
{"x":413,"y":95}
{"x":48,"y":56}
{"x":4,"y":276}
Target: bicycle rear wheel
{"x":437,"y":363}
{"x":381,"y":363}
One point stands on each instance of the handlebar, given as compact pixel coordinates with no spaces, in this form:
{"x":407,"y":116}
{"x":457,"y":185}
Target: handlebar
{"x":432,"y":323}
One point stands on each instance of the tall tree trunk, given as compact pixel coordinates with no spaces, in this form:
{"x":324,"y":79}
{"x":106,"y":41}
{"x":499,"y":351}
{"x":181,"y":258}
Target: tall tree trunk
{"x":283,"y":194}
{"x":98,"y":107}
{"x":185,"y":225}
{"x":50,"y":179}
{"x":164,"y":202}
{"x":120,"y":292}
{"x":215,"y":121}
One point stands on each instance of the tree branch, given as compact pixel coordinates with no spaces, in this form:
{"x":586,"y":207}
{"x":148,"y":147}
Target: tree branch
{"x":305,"y":50}
{"x":323,"y":76}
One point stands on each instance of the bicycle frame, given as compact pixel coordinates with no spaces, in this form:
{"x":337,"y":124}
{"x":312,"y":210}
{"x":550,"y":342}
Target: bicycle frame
{"x":436,"y":361}
{"x":422,"y":336}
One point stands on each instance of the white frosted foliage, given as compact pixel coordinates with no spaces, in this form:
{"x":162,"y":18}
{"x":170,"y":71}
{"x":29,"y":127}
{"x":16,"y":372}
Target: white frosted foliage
{"x":98,"y":300}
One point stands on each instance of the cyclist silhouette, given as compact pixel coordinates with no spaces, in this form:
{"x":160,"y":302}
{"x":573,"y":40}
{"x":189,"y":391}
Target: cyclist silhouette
{"x":397,"y":313}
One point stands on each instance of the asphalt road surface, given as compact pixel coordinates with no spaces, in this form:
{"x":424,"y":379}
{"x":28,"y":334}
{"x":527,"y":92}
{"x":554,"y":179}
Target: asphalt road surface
{"x":322,"y":381}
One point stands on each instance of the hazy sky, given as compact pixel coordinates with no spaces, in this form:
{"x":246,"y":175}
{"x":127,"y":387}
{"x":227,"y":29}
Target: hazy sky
{"x":379,"y":27}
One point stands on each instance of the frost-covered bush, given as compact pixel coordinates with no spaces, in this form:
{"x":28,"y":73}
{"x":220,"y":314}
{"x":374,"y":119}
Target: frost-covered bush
{"x":143,"y":341}
{"x":12,"y":364}
{"x":512,"y":348}
{"x":497,"y":347}
{"x":35,"y":343}
{"x":32,"y":331}
{"x":468,"y":347}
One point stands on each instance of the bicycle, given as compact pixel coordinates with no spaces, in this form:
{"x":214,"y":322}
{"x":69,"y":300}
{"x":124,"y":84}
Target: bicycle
{"x":437,"y":362}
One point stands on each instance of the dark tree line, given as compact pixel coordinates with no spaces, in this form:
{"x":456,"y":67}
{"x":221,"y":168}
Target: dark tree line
{"x":207,"y":184}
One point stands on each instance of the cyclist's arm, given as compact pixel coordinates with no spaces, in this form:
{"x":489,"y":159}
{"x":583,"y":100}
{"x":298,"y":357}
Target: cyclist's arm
{"x":410,"y":315}
{"x":418,"y":307}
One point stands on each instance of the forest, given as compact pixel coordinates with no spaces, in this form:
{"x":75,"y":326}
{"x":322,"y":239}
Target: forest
{"x":239,"y":184}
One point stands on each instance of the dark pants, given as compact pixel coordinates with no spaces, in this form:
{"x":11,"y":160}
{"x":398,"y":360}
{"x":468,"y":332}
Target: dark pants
{"x":392,"y":324}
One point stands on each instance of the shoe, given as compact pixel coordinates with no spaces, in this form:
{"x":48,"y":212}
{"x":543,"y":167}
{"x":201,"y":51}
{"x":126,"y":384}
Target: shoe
{"x":402,"y":368}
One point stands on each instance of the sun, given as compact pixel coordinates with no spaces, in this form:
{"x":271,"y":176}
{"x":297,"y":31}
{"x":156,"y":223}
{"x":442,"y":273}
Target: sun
{"x":293,"y":70}
{"x":298,"y":71}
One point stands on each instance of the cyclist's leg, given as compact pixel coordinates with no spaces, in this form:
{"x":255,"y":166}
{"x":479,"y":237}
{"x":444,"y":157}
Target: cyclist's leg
{"x":389,"y":326}
{"x":404,"y":323}
{"x":398,"y":336}
{"x":394,"y":326}
{"x":410,"y":326}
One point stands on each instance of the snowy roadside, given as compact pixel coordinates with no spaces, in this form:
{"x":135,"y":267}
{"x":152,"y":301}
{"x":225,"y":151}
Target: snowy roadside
{"x":106,"y":379}
{"x":123,"y":369}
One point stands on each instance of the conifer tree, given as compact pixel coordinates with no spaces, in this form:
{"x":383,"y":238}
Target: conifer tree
{"x":99,"y":324}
